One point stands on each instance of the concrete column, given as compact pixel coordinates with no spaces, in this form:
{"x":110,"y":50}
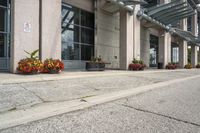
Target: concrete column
{"x":51,"y":29}
{"x":194,"y":55}
{"x":183,"y":52}
{"x":25,"y":29}
{"x":145,"y":45}
{"x":129,"y":37}
{"x":194,"y":24}
{"x":199,"y":55}
{"x":194,"y":59}
{"x":164,"y":44}
{"x":165,"y":48}
{"x":126,"y":39}
{"x":136,"y":33}
{"x":183,"y":46}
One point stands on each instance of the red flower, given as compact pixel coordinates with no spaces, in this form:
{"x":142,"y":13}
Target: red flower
{"x":53,"y":65}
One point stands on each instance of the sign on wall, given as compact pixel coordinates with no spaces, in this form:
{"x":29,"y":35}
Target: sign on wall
{"x":27,"y":27}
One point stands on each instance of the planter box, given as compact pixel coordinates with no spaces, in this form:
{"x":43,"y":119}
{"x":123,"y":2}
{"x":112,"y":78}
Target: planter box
{"x":95,"y":66}
{"x":136,"y":67}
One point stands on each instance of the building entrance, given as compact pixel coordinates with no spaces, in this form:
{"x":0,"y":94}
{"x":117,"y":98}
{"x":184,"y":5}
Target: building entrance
{"x":153,"y":51}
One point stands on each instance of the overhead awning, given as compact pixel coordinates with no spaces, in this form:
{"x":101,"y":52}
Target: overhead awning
{"x":113,"y":6}
{"x":188,"y":36}
{"x":170,"y":13}
{"x":193,"y":3}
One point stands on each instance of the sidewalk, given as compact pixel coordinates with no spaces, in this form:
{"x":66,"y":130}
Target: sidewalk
{"x":9,"y":78}
{"x":29,"y":98}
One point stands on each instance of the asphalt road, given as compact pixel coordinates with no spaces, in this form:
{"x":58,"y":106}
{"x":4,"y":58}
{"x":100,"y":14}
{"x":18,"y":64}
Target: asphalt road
{"x":171,"y":109}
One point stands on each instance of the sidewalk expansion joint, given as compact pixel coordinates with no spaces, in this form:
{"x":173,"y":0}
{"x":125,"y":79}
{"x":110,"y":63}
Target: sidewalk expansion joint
{"x":46,"y":110}
{"x":32,"y":93}
{"x":159,"y":114}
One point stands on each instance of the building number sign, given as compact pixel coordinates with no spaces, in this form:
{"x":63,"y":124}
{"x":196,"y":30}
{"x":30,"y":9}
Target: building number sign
{"x":27,"y":27}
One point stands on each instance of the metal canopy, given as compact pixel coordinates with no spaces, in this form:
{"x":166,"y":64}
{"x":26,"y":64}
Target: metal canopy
{"x":193,"y":3}
{"x":113,"y":6}
{"x":170,"y":13}
{"x":188,"y":36}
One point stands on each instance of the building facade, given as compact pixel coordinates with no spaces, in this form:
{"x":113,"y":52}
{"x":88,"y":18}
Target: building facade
{"x":116,"y":30}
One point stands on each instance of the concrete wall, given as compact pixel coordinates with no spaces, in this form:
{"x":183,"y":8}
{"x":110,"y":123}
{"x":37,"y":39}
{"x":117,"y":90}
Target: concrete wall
{"x":154,"y":31}
{"x":126,"y":39}
{"x":23,"y":11}
{"x":145,"y":45}
{"x":164,"y":48}
{"x":51,"y":29}
{"x":87,"y":5}
{"x":107,"y":36}
{"x":136,"y":33}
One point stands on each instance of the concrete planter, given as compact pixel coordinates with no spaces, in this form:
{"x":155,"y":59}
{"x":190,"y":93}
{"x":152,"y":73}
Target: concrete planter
{"x":54,"y":71}
{"x":90,"y":66}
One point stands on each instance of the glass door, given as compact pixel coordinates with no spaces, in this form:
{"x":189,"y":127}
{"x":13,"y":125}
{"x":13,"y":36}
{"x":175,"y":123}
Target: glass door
{"x":4,"y":34}
{"x":153,"y":51}
{"x":175,"y":53}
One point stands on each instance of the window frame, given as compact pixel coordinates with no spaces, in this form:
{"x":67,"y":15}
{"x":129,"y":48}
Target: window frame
{"x":6,"y":30}
{"x":81,"y":27}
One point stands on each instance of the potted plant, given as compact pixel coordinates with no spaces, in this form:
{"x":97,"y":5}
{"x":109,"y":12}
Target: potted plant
{"x":31,"y":64}
{"x":52,"y":66}
{"x":171,"y":66}
{"x":95,"y":64}
{"x":198,"y":65}
{"x":188,"y":66}
{"x":137,"y":65}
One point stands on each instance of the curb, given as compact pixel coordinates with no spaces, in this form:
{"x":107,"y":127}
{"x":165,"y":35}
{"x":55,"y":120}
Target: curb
{"x":71,"y":75}
{"x":46,"y":110}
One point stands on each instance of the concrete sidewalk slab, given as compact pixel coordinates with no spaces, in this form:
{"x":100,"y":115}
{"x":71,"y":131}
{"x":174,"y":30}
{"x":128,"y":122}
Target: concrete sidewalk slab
{"x":43,"y":110}
{"x":25,"y":95}
{"x":8,"y":78}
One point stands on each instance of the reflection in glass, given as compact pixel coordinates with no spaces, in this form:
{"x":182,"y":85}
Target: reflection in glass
{"x":2,"y":45}
{"x":77,"y":33}
{"x":153,"y":60}
{"x":86,"y":52}
{"x":3,"y":3}
{"x":70,"y":51}
{"x":153,"y":51}
{"x":175,"y":53}
{"x":87,"y":19}
{"x":87,"y":36}
{"x":2,"y":19}
{"x":70,"y":33}
{"x":70,"y":15}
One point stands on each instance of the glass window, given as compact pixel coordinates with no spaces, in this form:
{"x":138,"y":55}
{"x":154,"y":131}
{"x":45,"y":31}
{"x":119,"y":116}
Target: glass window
{"x":3,"y":19}
{"x":151,"y":3}
{"x":70,"y":15}
{"x":175,"y":54}
{"x":86,"y":52}
{"x":189,"y":23}
{"x":70,"y":51}
{"x":87,"y":36}
{"x":70,"y":33}
{"x":3,"y":3}
{"x":87,"y":19}
{"x":77,"y":33}
{"x":2,"y":45}
{"x":4,"y":32}
{"x":153,"y":51}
